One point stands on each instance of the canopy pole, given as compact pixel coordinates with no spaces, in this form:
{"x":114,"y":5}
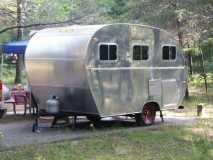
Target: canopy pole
{"x":2,"y":62}
{"x":2,"y":89}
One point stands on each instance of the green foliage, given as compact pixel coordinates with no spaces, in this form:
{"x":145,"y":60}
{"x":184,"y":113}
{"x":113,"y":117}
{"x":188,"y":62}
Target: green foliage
{"x":9,"y":74}
{"x":116,"y":8}
{"x":197,"y":80}
{"x":1,"y":135}
{"x":192,"y":51}
{"x":207,"y":49}
{"x":6,"y":37}
{"x":196,"y":59}
{"x":162,"y":13}
{"x":48,"y":10}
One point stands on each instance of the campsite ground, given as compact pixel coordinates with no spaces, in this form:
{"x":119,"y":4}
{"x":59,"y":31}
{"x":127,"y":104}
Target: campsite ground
{"x":182,"y":136}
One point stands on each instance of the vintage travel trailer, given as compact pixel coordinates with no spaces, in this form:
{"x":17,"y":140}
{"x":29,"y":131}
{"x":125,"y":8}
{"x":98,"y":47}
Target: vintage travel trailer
{"x":107,"y":70}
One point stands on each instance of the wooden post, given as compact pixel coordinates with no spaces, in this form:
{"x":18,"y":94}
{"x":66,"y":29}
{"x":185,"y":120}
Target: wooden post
{"x":199,"y":109}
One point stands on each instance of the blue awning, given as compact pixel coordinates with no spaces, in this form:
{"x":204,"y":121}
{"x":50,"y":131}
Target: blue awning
{"x":17,"y":47}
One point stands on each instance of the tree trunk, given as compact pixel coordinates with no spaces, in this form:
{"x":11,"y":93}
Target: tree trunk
{"x":180,"y":33}
{"x":19,"y":36}
{"x":190,"y":61}
{"x":180,"y":38}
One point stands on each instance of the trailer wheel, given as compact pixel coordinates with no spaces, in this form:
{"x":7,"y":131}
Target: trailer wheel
{"x":138,"y":119}
{"x":94,"y":119}
{"x":147,"y":117}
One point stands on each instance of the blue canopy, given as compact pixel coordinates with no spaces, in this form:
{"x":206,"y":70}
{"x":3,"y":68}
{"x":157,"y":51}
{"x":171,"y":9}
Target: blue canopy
{"x":17,"y":47}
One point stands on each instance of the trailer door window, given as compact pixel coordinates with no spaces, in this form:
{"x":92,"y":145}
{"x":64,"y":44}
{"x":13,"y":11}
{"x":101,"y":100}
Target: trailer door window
{"x":140,"y":52}
{"x":169,"y":52}
{"x":108,"y":52}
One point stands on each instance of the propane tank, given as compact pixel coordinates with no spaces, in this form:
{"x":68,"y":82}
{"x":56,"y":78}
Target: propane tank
{"x":52,"y":105}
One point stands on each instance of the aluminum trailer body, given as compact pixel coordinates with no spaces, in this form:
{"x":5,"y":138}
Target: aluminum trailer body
{"x":106,"y":70}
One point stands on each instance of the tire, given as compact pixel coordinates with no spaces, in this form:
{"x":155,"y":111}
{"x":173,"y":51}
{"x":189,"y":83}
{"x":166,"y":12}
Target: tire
{"x":138,"y":119}
{"x":147,"y":117}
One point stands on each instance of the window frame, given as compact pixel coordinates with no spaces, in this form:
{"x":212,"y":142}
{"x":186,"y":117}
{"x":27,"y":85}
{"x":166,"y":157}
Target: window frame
{"x":169,"y":45}
{"x":140,"y":44}
{"x":108,"y":44}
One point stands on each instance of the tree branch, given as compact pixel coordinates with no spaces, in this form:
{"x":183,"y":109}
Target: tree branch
{"x":7,"y":10}
{"x":37,"y":24}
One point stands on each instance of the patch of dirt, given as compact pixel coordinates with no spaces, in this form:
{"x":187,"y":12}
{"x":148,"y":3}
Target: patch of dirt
{"x":203,"y":132}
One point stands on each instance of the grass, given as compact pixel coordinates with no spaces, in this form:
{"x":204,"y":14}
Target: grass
{"x":1,"y":135}
{"x":164,"y":143}
{"x":197,"y":96}
{"x":194,"y":100}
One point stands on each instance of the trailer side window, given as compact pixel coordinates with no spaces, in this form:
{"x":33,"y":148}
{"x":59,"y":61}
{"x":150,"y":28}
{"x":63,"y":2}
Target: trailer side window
{"x":112,"y":52}
{"x":173,"y":52}
{"x":104,"y":52}
{"x":108,"y":52}
{"x":169,"y":52}
{"x":140,"y":52}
